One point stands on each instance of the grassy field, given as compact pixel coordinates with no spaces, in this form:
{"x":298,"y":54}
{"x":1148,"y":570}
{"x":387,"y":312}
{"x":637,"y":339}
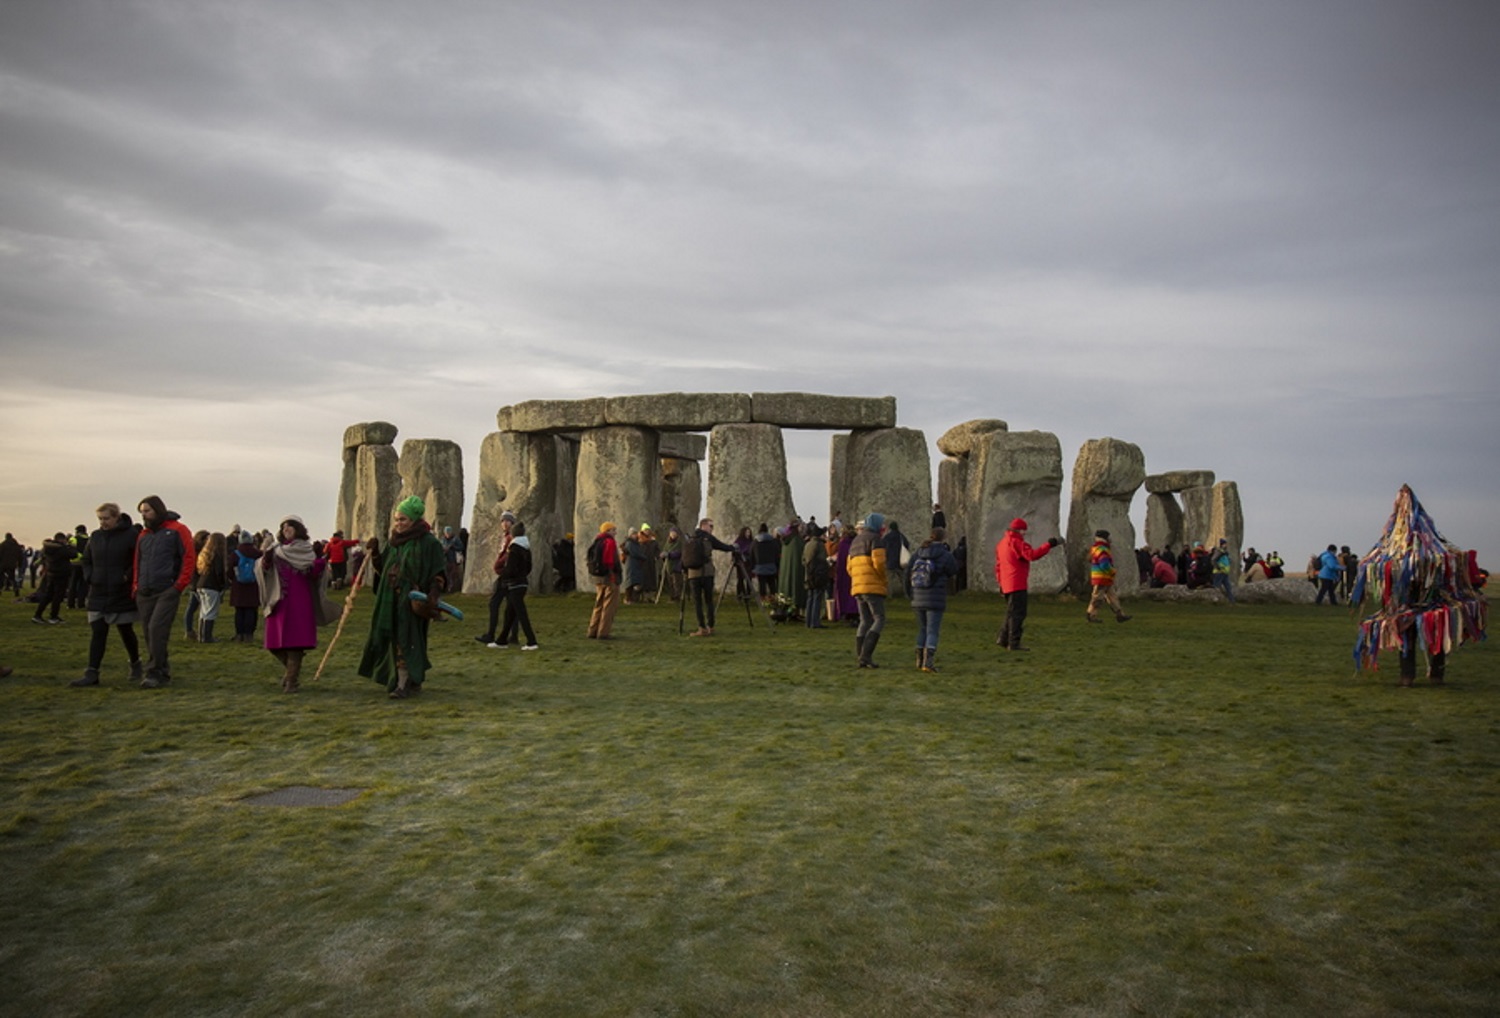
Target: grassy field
{"x":1200,"y":812}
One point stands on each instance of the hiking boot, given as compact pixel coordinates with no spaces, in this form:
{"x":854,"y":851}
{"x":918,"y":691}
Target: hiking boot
{"x":488,"y":639}
{"x":1122,"y":617}
{"x":155,"y":682}
{"x":1093,"y":618}
{"x":90,"y":678}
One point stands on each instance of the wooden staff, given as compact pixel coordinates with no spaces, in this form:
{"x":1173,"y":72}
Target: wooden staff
{"x":348,"y":609}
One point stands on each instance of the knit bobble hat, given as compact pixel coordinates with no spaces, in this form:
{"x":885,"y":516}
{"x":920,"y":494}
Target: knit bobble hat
{"x":1018,"y":524}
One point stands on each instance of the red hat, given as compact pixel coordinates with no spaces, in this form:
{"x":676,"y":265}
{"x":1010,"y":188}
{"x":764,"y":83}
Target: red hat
{"x":1018,"y":524}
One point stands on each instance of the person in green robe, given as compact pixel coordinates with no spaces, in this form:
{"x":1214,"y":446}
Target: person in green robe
{"x":412,"y":560}
{"x":790,"y":576}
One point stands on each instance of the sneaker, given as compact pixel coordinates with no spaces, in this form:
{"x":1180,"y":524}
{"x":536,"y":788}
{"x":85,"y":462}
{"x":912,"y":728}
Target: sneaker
{"x":54,"y":621}
{"x":497,"y":646}
{"x":39,"y":620}
{"x":532,"y":646}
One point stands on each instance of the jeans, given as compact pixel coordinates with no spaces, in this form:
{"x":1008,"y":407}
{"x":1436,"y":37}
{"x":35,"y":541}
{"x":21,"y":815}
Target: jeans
{"x":1221,"y":580}
{"x":814,"y":608}
{"x":929,"y":621}
{"x":871,"y":614}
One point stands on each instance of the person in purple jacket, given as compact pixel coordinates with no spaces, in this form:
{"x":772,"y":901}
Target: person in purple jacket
{"x":292,"y":581}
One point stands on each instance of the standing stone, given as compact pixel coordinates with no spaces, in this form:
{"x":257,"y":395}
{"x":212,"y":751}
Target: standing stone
{"x":518,"y":472}
{"x":747,"y":483}
{"x":888,"y":471}
{"x":838,"y":480}
{"x":1227,"y":520}
{"x":1197,"y":515}
{"x":1011,"y":474}
{"x":681,"y":493}
{"x":953,"y":495}
{"x":356,"y":435}
{"x":377,"y":470}
{"x":433,"y":470}
{"x":1106,"y":476}
{"x":618,"y":479}
{"x":1163,"y":522}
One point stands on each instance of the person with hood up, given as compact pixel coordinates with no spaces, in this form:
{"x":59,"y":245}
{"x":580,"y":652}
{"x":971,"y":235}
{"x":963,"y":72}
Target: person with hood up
{"x":1102,"y":579}
{"x":1013,"y":558}
{"x":868,"y":584}
{"x":516,"y":578}
{"x":106,"y":566}
{"x":292,"y":581}
{"x":164,"y":563}
{"x":395,"y":653}
{"x":57,"y":558}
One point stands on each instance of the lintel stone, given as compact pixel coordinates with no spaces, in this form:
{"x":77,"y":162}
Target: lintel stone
{"x":678,"y":411}
{"x":683,"y":445}
{"x":1178,"y":480}
{"x":551,"y":415}
{"x":826,"y":413}
{"x":369,"y":433}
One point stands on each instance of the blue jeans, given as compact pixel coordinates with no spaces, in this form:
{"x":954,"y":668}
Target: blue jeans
{"x":929,"y":621}
{"x":1221,"y":580}
{"x":814,"y":609}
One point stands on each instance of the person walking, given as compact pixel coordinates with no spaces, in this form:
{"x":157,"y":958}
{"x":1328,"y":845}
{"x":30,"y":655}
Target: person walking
{"x":926,"y":584}
{"x":106,"y":567}
{"x":1330,"y":571}
{"x":1013,"y":558}
{"x":1222,"y":563}
{"x":57,"y":565}
{"x":516,"y":578}
{"x":1102,"y":579}
{"x":411,"y":562}
{"x":508,"y":523}
{"x":293,"y":581}
{"x":867,"y":582}
{"x":603,"y":561}
{"x":164,"y":562}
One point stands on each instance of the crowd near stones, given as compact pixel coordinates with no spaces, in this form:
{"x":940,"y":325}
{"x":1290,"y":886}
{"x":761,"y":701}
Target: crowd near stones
{"x":557,"y":468}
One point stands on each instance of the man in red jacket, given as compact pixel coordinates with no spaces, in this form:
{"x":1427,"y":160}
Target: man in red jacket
{"x":164,"y":561}
{"x":1013,"y":558}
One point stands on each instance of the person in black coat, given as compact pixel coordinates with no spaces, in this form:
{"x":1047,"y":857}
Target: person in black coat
{"x":514,"y":579}
{"x":108,"y":566}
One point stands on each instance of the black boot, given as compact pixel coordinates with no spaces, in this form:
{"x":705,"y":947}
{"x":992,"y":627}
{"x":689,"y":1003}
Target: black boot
{"x":91,"y":678}
{"x":206,"y":632}
{"x":867,"y":651}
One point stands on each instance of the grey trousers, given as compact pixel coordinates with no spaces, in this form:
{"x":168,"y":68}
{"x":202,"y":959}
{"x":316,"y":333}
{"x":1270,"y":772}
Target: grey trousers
{"x":158,"y":619}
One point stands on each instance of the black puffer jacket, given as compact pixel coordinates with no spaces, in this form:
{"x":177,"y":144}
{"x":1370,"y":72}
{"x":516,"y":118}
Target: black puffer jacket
{"x":108,"y":559}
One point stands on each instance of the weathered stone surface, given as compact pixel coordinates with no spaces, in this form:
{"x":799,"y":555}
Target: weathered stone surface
{"x":811,"y":410}
{"x":953,"y":495}
{"x":1014,"y":473}
{"x":433,"y":470}
{"x":1163,"y":522}
{"x":678,"y":411}
{"x":1178,"y":480}
{"x":961,"y":439}
{"x":747,"y":483}
{"x":683,"y":445}
{"x":1285,"y":590}
{"x":618,"y":479}
{"x":1197,"y":514}
{"x":553,"y":415}
{"x":377,"y":473}
{"x":518,"y":472}
{"x":838,"y":479}
{"x":889,"y":471}
{"x":681,"y":491}
{"x":369,"y":433}
{"x":1226,"y":519}
{"x":1106,"y":476}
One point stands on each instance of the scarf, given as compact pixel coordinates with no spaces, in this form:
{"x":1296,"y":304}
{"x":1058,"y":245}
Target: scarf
{"x":297,"y":554}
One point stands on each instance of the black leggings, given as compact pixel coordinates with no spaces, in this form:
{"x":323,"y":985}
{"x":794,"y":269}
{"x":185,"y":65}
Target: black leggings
{"x":516,"y":615}
{"x":100,"y":636}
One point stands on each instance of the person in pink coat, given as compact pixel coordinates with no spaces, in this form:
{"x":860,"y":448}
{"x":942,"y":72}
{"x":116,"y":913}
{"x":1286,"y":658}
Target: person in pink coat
{"x":292,"y":580}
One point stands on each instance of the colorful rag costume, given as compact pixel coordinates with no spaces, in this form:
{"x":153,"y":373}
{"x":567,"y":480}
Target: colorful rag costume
{"x":1421,"y":584}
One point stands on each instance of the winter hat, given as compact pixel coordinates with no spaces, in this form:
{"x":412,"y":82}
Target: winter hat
{"x":412,"y":507}
{"x":606,"y":526}
{"x":508,"y":515}
{"x":1017,"y":524}
{"x":874,"y":521}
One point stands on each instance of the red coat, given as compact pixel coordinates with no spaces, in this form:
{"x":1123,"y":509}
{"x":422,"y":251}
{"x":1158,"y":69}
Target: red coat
{"x":1013,"y":558}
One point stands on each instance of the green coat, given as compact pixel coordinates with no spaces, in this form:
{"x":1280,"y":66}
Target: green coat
{"x":394,"y":627}
{"x":789,"y":578}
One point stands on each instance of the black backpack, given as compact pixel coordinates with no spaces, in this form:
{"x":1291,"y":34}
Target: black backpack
{"x":595,"y":558}
{"x":695,"y":552}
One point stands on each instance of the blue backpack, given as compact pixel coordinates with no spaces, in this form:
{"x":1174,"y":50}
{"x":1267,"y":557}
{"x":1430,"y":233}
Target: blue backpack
{"x":921,"y":573}
{"x":244,"y":569}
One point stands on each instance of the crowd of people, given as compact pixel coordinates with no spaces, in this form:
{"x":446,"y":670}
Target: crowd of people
{"x":155,"y":572}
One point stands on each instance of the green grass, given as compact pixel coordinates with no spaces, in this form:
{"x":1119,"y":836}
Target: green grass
{"x":1203,"y":811}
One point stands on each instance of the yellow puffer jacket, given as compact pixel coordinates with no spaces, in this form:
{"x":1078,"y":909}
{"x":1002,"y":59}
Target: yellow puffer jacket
{"x":866,"y":565}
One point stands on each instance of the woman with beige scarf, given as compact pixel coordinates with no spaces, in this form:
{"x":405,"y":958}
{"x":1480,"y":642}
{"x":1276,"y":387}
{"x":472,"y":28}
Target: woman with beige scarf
{"x":292,"y":581}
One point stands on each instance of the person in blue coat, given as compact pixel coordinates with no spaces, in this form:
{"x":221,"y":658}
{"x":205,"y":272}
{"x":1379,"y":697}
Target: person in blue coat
{"x":1330,"y":571}
{"x":926,"y":584}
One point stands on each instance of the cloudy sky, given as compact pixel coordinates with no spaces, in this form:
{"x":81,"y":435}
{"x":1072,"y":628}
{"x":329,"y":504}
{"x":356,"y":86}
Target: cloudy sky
{"x":1258,"y":238}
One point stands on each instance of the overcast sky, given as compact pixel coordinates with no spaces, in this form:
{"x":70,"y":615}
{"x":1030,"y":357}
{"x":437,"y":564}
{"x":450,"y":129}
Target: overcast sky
{"x":1257,"y":238}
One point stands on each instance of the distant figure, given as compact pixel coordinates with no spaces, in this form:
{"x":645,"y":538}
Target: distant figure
{"x":106,"y":568}
{"x":508,"y":523}
{"x":57,"y":559}
{"x":563,"y":564}
{"x":516,"y":578}
{"x":1223,"y":569}
{"x":1275,"y":567}
{"x":927,"y":577}
{"x":939,"y":518}
{"x":868,"y":582}
{"x":1330,"y":572}
{"x":895,"y":543}
{"x":1350,"y":563}
{"x":244,"y":592}
{"x":1013,"y":558}
{"x":1102,"y":579}
{"x":605,"y":571}
{"x":698,"y":561}
{"x":1163,"y":573}
{"x":213,"y":579}
{"x":12,"y":561}
{"x":765,"y":563}
{"x":337,"y":549}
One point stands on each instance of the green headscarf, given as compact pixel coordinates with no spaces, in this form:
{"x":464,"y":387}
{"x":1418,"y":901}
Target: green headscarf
{"x":412,"y":507}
